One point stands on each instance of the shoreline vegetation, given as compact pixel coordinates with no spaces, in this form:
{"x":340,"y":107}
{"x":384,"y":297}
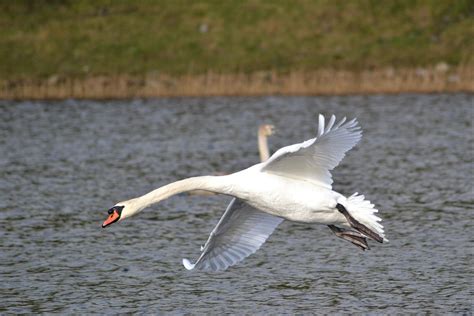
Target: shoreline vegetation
{"x":440,"y":78}
{"x":101,"y":49}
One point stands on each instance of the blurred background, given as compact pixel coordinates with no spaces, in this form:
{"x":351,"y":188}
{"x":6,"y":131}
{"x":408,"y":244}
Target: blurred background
{"x":85,"y":48}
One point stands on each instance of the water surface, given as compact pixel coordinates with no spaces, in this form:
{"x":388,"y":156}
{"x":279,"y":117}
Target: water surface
{"x":63,"y":164}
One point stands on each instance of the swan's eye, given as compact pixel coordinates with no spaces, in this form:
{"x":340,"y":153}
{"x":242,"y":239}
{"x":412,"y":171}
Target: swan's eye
{"x":117,"y":209}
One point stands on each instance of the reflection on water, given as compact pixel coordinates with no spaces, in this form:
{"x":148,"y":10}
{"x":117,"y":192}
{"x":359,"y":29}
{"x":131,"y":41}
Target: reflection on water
{"x":63,"y":164}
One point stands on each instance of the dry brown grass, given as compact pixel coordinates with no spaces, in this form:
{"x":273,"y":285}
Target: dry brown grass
{"x":322,"y":82}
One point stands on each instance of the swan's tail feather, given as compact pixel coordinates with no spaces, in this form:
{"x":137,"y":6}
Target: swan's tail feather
{"x":364,"y":212}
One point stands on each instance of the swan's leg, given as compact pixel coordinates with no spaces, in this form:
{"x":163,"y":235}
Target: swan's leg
{"x":357,"y":225}
{"x":355,"y":238}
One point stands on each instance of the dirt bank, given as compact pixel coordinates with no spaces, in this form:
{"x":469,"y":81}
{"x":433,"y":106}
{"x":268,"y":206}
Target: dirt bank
{"x":323,"y":82}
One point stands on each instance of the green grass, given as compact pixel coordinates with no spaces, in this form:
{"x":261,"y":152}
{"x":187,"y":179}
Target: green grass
{"x":84,"y":37}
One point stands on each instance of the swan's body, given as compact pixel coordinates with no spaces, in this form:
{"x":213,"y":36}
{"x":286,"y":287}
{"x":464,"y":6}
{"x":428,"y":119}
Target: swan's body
{"x":263,"y":191}
{"x":294,"y":184}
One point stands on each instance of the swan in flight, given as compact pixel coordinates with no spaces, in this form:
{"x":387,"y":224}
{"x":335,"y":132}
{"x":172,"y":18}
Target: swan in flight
{"x":295,"y":184}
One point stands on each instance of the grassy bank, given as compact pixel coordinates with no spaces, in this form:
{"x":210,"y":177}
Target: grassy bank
{"x":80,"y":41}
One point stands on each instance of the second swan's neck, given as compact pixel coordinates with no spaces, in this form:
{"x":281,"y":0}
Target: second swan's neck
{"x":263,"y":146}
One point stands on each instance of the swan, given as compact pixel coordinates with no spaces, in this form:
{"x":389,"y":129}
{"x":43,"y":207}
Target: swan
{"x":294,"y":184}
{"x":264,"y":131}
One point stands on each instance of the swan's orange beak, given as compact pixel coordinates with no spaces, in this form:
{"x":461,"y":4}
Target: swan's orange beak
{"x":113,"y":217}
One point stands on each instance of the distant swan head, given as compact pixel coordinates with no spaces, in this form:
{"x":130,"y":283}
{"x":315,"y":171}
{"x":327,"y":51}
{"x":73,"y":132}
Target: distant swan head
{"x":266,"y":130}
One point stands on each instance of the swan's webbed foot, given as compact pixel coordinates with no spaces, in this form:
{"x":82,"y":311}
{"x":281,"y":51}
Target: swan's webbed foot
{"x":357,"y":225}
{"x":355,"y":238}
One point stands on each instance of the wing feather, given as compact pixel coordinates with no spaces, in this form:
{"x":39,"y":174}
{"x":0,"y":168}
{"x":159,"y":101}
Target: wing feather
{"x":313,"y":159}
{"x":239,"y":233}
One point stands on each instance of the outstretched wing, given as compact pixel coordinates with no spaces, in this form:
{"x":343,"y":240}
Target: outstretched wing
{"x":239,"y":233}
{"x":313,"y":159}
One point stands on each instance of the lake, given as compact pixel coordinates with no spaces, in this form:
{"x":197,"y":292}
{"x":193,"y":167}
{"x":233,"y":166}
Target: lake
{"x":63,"y":164}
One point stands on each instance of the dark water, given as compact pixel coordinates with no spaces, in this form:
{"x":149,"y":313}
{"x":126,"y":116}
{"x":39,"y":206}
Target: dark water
{"x":63,"y":164}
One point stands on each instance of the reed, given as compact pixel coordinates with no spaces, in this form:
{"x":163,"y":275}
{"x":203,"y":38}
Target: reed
{"x":322,"y":82}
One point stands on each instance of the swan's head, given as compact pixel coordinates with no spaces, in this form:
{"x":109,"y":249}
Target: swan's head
{"x":120,"y":211}
{"x":266,"y":129}
{"x":115,"y":214}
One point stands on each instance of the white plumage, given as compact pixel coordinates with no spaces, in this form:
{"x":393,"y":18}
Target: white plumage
{"x":313,"y":159}
{"x":240,"y":232}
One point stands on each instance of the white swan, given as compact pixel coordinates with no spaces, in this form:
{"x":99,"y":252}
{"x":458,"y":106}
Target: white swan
{"x":294,"y":184}
{"x":264,"y":131}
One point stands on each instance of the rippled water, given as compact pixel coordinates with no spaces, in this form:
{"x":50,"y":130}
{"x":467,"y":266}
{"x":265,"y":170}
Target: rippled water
{"x":63,"y":164}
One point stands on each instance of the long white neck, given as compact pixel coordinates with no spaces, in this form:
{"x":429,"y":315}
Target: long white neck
{"x":263,"y":146}
{"x":217,"y":184}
